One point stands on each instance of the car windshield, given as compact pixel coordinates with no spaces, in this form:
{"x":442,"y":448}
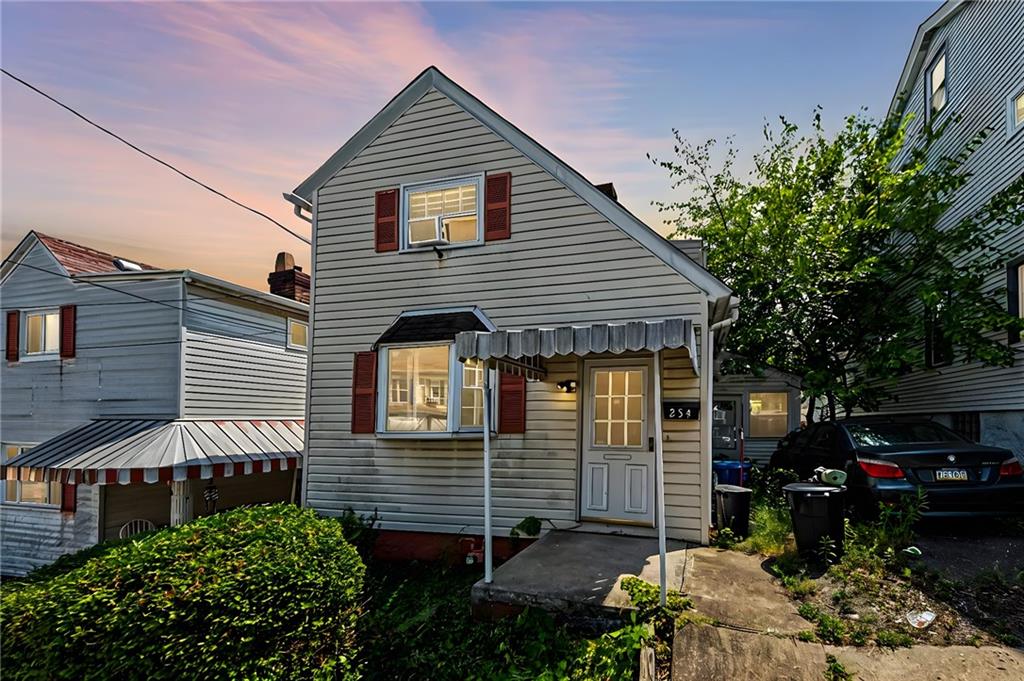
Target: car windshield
{"x":882,"y":434}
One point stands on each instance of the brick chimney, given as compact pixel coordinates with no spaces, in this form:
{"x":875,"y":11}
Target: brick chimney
{"x":288,"y":280}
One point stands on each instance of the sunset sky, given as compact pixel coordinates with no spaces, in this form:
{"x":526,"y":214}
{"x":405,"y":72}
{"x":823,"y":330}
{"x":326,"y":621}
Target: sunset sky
{"x":253,"y":97}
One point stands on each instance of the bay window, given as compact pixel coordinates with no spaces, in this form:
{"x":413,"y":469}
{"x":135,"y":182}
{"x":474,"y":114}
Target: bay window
{"x":424,"y":389}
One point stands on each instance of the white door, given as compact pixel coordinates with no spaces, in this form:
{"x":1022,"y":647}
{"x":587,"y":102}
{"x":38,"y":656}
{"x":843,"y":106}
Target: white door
{"x":617,"y":463}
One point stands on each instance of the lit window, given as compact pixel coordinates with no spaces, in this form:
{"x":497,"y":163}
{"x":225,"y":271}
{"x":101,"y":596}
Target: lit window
{"x":429,"y":392}
{"x":618,"y":408}
{"x":442,"y":213}
{"x":42,"y":333}
{"x":1015,"y":112}
{"x":769,"y":414}
{"x":937,"y":84}
{"x":298,"y":333}
{"x":22,"y":492}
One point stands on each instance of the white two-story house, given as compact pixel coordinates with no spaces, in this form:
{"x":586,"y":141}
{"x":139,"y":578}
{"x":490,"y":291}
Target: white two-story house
{"x":495,"y":337}
{"x":135,"y":397}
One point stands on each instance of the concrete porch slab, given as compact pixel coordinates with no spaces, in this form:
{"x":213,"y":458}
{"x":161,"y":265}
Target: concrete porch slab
{"x":579,"y":573}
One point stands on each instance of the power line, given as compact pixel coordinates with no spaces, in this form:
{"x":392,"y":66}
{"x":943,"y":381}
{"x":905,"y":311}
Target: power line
{"x":145,"y":153}
{"x":153,"y":300}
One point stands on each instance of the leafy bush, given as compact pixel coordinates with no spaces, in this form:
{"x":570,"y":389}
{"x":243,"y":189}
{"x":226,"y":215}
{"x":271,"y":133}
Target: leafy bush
{"x":893,"y":639}
{"x":419,"y":625}
{"x":767,"y":484}
{"x":360,"y":531}
{"x":263,"y":592}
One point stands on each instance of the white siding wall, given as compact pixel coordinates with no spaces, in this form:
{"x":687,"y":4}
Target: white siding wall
{"x":564,"y":264}
{"x":237,"y":363}
{"x":984,"y":65}
{"x":34,"y":536}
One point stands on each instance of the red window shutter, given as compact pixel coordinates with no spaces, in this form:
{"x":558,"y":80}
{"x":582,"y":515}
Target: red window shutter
{"x":13,"y":335}
{"x":498,"y":207}
{"x":385,"y":221}
{"x":364,"y":392}
{"x":67,"y":331}
{"x":512,"y":404}
{"x":68,"y":498}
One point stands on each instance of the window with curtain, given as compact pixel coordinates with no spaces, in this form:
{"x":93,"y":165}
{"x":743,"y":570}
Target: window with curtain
{"x":24,"y":492}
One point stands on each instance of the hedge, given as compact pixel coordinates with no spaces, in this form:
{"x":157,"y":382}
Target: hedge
{"x":256,"y":593}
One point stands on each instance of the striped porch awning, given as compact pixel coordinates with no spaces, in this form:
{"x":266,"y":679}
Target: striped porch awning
{"x":634,"y":336}
{"x":129,"y":451}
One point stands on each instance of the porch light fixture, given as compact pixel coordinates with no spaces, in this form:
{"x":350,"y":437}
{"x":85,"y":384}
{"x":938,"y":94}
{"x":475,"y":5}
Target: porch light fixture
{"x":567,"y":386}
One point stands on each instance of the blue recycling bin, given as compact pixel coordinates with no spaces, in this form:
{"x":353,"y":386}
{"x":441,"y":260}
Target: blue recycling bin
{"x":730,"y":472}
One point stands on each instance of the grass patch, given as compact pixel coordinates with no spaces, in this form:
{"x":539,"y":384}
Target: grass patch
{"x":770,"y":527}
{"x":835,"y":671}
{"x":888,"y":638}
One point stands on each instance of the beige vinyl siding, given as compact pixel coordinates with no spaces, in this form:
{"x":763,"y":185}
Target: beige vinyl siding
{"x":681,"y":449}
{"x":565,"y":264}
{"x":34,"y":536}
{"x":985,"y":65}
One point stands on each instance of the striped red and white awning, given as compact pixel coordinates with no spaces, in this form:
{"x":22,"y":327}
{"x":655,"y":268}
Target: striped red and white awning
{"x":131,"y":451}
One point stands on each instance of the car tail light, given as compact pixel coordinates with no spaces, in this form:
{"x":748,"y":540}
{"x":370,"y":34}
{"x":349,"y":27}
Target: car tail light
{"x":880,"y":469}
{"x":1010,"y":468}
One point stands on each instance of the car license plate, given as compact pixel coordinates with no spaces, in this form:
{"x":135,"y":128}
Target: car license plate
{"x":951,"y":475}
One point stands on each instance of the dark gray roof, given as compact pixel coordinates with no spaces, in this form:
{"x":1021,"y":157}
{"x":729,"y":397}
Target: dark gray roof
{"x":691,"y":248}
{"x":418,"y":327}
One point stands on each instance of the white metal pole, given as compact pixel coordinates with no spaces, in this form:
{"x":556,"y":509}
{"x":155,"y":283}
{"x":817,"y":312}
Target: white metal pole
{"x":488,"y":555}
{"x":659,"y":471}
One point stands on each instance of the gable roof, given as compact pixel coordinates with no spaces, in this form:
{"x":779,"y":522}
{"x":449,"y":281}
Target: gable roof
{"x":78,"y":259}
{"x":432,"y":78}
{"x":919,"y":49}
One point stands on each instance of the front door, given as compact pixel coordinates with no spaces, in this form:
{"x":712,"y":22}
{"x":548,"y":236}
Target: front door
{"x":618,"y":462}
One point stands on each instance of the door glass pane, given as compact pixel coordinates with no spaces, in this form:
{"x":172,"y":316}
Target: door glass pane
{"x":769,"y":414}
{"x":418,"y":395}
{"x":618,"y":407}
{"x":723,"y":425}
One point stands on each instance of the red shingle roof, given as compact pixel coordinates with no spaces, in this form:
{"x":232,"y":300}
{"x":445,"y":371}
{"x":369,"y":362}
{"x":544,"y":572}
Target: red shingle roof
{"x":78,"y":259}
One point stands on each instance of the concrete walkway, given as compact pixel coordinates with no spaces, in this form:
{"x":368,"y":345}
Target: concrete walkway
{"x":757,"y":620}
{"x":703,"y":652}
{"x":579,"y":573}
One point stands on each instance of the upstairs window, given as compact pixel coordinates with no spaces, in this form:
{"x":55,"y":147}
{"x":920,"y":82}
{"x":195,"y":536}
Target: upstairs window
{"x":42,"y":333}
{"x":298,"y":333}
{"x":937,"y":85}
{"x":444,"y":213}
{"x":1015,"y":112}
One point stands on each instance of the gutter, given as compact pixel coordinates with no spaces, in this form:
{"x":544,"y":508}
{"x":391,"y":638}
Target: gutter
{"x":300,"y":204}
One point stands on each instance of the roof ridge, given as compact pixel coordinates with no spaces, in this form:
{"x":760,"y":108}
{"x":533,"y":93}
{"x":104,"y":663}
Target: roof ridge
{"x":78,"y":258}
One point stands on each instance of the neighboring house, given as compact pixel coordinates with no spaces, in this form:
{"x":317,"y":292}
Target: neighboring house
{"x":453,"y":253}
{"x":966,"y":66}
{"x":752,"y":412}
{"x":128,"y":392}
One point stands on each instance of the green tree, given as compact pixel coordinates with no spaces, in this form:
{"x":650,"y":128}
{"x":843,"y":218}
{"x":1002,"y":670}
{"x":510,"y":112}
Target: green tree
{"x":833,"y":248}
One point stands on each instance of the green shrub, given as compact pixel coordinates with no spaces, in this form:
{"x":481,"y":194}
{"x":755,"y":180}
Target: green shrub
{"x":830,"y":629}
{"x":263,"y":592}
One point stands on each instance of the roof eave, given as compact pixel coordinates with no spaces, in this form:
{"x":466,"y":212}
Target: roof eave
{"x":922,"y":41}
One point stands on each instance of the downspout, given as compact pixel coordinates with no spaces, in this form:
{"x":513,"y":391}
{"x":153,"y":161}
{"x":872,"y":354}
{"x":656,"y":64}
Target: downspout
{"x":488,"y":549}
{"x":659,"y":472}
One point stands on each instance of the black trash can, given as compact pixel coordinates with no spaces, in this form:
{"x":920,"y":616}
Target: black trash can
{"x":817,"y":511}
{"x":732,"y":509}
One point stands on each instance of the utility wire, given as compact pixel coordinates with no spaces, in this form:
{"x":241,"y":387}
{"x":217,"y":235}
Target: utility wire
{"x":152,"y":300}
{"x":145,"y":153}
